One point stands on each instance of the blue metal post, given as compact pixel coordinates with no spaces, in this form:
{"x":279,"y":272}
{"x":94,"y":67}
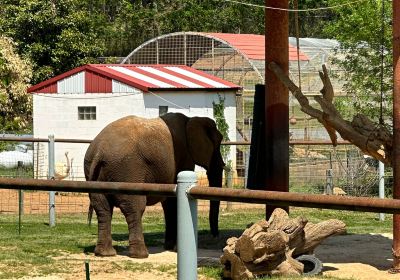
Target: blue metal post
{"x":187,"y":227}
{"x":52,"y":194}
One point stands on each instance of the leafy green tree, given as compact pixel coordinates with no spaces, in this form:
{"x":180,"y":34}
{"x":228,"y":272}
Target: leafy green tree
{"x":216,"y":16}
{"x":56,"y":35}
{"x":15,"y":103}
{"x":362,"y":39}
{"x":139,"y":21}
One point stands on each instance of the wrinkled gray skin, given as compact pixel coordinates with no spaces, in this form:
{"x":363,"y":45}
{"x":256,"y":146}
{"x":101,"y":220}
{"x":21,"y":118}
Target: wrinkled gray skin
{"x":134,"y":149}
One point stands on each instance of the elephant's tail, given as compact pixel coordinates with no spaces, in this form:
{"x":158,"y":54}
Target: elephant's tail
{"x":92,"y":171}
{"x":90,"y":214}
{"x":92,"y":163}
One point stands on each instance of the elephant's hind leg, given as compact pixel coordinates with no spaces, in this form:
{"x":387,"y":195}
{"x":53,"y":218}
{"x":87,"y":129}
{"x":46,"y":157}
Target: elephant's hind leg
{"x":133,"y":208}
{"x":103,"y":211}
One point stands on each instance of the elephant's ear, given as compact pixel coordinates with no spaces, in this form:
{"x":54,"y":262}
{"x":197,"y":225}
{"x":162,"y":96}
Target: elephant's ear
{"x":203,"y":140}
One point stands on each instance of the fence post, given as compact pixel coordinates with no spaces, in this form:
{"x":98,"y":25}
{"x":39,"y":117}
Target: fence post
{"x":20,"y":197}
{"x":20,"y":167}
{"x":381,"y":168}
{"x":52,"y":194}
{"x":329,"y":182}
{"x":229,"y":184}
{"x":187,"y":227}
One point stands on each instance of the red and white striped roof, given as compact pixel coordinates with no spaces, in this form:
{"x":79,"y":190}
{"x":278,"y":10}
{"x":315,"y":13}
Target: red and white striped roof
{"x":99,"y":78}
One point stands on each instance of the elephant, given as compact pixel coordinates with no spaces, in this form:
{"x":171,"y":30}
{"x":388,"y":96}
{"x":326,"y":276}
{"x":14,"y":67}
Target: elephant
{"x":141,"y":150}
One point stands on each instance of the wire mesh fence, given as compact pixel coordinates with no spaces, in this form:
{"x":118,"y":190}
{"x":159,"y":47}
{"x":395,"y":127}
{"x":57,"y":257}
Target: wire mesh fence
{"x":312,"y":168}
{"x":32,"y":162}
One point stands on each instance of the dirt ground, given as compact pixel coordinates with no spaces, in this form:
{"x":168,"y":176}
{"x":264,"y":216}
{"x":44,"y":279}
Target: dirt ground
{"x":359,"y":257}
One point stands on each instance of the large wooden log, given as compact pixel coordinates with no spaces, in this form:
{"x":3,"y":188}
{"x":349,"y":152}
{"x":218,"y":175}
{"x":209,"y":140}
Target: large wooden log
{"x":316,"y":233}
{"x":268,"y":247}
{"x":262,"y":246}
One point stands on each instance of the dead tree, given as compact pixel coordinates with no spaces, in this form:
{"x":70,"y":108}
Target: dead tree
{"x":373,"y":139}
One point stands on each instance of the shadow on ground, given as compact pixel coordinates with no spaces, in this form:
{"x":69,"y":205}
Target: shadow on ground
{"x":205,"y":239}
{"x":208,"y":245}
{"x":370,"y":249}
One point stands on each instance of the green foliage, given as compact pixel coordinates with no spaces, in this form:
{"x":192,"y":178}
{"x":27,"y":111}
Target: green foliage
{"x":56,"y":35}
{"x":211,"y":272}
{"x":138,"y":21}
{"x":223,"y":127}
{"x":359,"y":31}
{"x":308,"y":188}
{"x":312,"y":22}
{"x":15,"y":103}
{"x":24,"y":172}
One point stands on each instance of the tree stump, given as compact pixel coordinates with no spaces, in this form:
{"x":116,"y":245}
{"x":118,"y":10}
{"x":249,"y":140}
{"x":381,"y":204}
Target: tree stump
{"x":270,"y":247}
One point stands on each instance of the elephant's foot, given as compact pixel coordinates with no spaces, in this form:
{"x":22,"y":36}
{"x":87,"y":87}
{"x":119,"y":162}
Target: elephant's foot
{"x":104,"y":251}
{"x":138,"y":250}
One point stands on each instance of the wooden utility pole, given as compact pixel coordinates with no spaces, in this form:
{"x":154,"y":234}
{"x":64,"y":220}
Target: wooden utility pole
{"x":396,"y":132}
{"x":276,"y":99}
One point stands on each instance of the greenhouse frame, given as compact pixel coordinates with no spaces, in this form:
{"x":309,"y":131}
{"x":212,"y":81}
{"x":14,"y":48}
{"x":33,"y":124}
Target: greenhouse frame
{"x":240,"y":59}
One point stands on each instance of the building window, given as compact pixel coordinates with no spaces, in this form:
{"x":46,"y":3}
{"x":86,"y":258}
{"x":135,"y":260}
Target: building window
{"x":87,"y":113}
{"x":162,"y":110}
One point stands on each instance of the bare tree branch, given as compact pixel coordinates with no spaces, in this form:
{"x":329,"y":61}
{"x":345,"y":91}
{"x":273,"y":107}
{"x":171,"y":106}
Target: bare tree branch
{"x":373,"y":139}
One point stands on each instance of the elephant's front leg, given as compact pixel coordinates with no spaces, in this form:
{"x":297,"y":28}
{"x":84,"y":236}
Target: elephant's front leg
{"x":133,"y":206}
{"x":104,"y":212}
{"x":170,"y":217}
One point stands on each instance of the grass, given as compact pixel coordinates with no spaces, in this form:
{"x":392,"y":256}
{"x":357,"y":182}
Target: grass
{"x":24,"y":172}
{"x":34,"y":252}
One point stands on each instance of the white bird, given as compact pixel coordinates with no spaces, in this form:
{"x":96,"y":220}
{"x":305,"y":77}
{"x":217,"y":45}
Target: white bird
{"x":62,"y":169}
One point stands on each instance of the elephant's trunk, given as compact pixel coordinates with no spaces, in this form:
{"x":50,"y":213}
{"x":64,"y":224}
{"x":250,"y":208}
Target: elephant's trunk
{"x":214,"y":174}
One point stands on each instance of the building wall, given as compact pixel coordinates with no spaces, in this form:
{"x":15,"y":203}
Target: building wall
{"x":57,"y":114}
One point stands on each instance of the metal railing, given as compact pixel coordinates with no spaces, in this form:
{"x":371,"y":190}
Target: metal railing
{"x":187,"y":195}
{"x":88,"y":141}
{"x":309,"y":163}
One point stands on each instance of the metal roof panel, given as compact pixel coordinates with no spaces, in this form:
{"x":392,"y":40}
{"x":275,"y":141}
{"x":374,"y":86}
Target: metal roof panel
{"x":253,"y":45}
{"x":148,"y":77}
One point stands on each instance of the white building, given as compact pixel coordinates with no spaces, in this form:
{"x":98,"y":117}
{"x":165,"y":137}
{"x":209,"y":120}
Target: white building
{"x":81,"y":102}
